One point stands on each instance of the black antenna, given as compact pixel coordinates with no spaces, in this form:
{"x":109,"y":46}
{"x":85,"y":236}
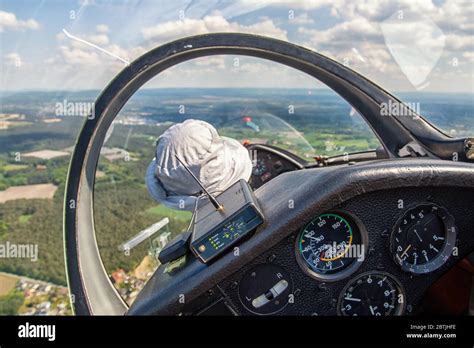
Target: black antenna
{"x":213,"y":199}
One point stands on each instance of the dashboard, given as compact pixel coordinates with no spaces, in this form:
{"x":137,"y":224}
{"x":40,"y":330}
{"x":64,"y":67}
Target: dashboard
{"x":357,"y":239}
{"x":374,"y":255}
{"x":294,"y":274}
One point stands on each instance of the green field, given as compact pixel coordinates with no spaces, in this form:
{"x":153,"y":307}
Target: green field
{"x":24,"y":219}
{"x":14,"y":167}
{"x":122,"y":205}
{"x":161,"y":210}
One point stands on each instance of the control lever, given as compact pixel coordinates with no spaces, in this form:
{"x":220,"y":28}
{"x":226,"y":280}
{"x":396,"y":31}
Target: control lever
{"x":271,"y":294}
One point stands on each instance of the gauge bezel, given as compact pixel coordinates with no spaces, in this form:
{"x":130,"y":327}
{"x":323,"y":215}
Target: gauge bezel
{"x":448,"y":247}
{"x":252,"y":269}
{"x":349,"y":270}
{"x":402,"y":306}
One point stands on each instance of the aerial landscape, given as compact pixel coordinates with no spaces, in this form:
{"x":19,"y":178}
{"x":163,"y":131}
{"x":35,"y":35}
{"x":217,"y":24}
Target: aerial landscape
{"x":216,"y":161}
{"x":37,"y":142}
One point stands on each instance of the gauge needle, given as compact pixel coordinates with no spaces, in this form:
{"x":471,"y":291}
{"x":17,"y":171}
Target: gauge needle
{"x":352,"y":299}
{"x":418,"y":235}
{"x":406,"y":250}
{"x":426,"y":257}
{"x":372,"y":310}
{"x":310,"y":237}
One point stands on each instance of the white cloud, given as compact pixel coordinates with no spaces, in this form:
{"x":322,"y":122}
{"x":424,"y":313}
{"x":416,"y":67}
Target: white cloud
{"x":456,"y":42}
{"x":8,"y":21}
{"x":344,"y":35}
{"x":214,"y":62}
{"x":254,"y":68}
{"x":468,"y":56}
{"x":378,"y":10}
{"x":96,"y":39}
{"x":298,"y":4}
{"x":301,"y":19}
{"x":352,"y":34}
{"x":210,"y":24}
{"x":453,"y":17}
{"x":251,"y":72}
{"x":74,"y":53}
{"x":456,"y":16}
{"x":12,"y":59}
{"x":79,"y":57}
{"x":425,"y":33}
{"x":102,"y":28}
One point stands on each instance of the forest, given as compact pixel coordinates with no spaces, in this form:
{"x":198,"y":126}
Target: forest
{"x":122,"y":206}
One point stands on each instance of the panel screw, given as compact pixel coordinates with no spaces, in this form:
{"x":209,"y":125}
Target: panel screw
{"x":271,"y":258}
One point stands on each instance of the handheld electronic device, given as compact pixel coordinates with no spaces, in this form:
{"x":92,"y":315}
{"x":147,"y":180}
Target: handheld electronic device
{"x":218,"y":223}
{"x":217,"y":230}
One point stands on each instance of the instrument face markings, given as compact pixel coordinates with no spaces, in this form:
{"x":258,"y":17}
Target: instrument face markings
{"x":423,"y":239}
{"x":372,"y":294}
{"x":328,"y":246}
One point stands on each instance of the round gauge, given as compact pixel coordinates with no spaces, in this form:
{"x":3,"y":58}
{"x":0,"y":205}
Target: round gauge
{"x":259,"y":167}
{"x":331,"y":247}
{"x":265,"y":289}
{"x":372,"y":293}
{"x":423,"y":239}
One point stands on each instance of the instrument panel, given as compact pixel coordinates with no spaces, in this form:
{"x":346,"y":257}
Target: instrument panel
{"x":346,"y":261}
{"x":331,"y":247}
{"x":269,"y":162}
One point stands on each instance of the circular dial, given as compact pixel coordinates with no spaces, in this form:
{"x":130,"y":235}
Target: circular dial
{"x":265,"y":289}
{"x":268,"y":164}
{"x":331,"y":246}
{"x":372,"y":293}
{"x":259,"y":167}
{"x":423,"y":239}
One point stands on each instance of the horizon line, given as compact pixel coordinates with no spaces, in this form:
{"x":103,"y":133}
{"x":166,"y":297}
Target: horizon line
{"x":224,"y":88}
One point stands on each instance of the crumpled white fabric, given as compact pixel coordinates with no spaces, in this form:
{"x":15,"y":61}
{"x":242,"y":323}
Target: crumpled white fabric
{"x":218,"y":162}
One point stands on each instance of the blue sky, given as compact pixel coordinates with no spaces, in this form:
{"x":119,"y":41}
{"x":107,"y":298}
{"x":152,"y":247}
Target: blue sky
{"x":403,"y":45}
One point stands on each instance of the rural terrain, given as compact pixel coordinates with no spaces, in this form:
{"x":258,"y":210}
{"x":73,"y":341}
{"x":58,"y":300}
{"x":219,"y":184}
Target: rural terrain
{"x":36,"y":145}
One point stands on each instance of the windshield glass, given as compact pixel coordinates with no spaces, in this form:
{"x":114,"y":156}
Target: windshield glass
{"x":452,"y":113}
{"x":305,"y":121}
{"x":57,"y":56}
